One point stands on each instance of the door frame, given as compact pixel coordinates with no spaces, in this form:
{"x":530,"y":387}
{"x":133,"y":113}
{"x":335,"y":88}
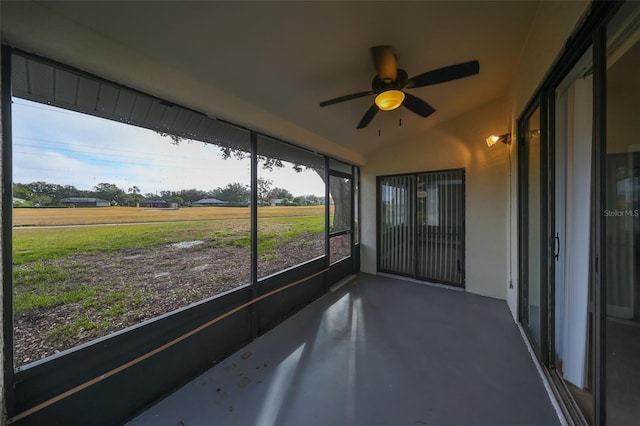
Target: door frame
{"x":523,"y":222}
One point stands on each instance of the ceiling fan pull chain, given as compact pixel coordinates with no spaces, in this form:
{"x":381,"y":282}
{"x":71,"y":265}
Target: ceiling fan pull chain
{"x":379,"y":132}
{"x":400,"y":121}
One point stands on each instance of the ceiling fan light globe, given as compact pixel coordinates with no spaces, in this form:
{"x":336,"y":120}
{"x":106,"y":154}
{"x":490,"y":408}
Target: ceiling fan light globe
{"x":389,"y":100}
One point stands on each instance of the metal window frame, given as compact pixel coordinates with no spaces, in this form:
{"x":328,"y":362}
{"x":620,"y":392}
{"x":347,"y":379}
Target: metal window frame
{"x":523,"y":221}
{"x":342,"y":267}
{"x":355,"y":246}
{"x":7,"y":231}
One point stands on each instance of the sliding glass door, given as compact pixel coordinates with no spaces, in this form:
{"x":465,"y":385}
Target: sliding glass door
{"x":579,"y":209}
{"x":421,"y":226}
{"x":621,"y":217}
{"x":571,"y":286}
{"x":440,"y":226}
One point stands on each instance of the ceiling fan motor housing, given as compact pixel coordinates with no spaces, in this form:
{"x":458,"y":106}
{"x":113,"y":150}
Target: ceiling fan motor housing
{"x":379,"y":86}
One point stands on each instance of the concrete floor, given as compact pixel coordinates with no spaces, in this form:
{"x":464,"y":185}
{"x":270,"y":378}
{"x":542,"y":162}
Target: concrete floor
{"x":379,"y":351}
{"x":623,"y":372}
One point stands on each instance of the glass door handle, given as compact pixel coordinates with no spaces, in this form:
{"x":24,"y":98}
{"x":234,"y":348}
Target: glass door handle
{"x":556,"y":253}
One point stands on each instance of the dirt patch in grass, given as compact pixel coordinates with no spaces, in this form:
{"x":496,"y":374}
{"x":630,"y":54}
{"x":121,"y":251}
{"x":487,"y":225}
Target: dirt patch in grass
{"x":96,"y":294}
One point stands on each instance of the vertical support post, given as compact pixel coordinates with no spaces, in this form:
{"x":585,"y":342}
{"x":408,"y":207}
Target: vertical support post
{"x":6,"y":232}
{"x":327,"y":223}
{"x":352,"y":241}
{"x":413,"y":215}
{"x":357,"y":230}
{"x":378,"y":216}
{"x":254,"y":234}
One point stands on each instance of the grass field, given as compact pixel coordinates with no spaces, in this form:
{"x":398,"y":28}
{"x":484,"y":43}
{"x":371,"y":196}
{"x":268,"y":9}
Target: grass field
{"x":45,"y":234}
{"x":99,"y":215}
{"x":36,"y":250}
{"x":48,"y":243}
{"x":76,"y":283}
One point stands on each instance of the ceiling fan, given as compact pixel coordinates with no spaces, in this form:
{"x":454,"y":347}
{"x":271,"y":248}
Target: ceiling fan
{"x":390,"y":82}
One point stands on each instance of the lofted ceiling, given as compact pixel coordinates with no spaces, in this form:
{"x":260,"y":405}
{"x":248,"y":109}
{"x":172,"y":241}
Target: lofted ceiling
{"x":281,"y":59}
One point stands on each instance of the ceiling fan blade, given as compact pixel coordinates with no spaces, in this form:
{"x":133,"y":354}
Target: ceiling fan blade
{"x":442,"y":75}
{"x":345,"y":98}
{"x":417,"y":105}
{"x":386,"y":63}
{"x":368,"y":116}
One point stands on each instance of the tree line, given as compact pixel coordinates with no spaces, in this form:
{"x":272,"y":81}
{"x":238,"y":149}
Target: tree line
{"x":45,"y":194}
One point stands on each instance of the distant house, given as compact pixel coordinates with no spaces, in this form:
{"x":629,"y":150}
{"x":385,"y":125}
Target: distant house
{"x":209,"y":202}
{"x":85,"y":202}
{"x":154,"y":203}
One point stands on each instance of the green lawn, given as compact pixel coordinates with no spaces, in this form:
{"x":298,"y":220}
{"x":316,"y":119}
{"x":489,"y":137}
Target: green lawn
{"x":41,"y":244}
{"x":32,"y":245}
{"x":40,"y":283}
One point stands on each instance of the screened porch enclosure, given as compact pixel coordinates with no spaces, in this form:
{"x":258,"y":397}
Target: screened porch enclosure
{"x":275,"y":251}
{"x":300,"y":268}
{"x":421,"y":226}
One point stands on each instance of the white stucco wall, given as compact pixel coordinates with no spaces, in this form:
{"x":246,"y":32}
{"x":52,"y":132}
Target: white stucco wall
{"x":491,"y":174}
{"x":459,"y":143}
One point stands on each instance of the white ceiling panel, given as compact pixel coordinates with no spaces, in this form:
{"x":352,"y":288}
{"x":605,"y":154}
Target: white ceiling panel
{"x":281,"y":59}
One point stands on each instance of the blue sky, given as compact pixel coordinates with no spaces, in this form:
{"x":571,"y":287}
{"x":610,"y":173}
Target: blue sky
{"x":68,"y":148}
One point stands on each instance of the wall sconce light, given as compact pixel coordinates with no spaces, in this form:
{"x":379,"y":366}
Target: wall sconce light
{"x":494,"y":139}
